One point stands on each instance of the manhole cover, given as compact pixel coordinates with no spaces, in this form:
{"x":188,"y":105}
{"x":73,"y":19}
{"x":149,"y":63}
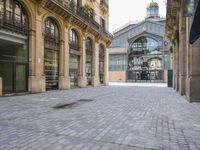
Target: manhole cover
{"x":86,"y":100}
{"x":65,"y":105}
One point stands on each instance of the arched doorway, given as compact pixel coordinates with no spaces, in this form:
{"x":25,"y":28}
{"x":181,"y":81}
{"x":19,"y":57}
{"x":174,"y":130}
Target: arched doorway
{"x":101,"y":63}
{"x":13,"y":46}
{"x":88,"y":63}
{"x":51,"y":54}
{"x":142,"y":50}
{"x":74,"y":58}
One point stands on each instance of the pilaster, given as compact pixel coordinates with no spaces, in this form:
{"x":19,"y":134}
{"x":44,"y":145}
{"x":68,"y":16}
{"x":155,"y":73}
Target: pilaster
{"x":106,"y":65}
{"x":64,"y":79}
{"x":82,"y":82}
{"x":193,"y":79}
{"x":182,"y":54}
{"x":96,"y":64}
{"x":36,"y":58}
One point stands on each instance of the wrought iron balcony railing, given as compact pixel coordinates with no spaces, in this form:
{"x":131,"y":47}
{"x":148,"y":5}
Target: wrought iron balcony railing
{"x":13,"y":22}
{"x":77,"y":10}
{"x":104,"y":3}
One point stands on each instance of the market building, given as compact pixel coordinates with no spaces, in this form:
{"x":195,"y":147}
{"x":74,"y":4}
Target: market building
{"x":139,"y":50}
{"x":186,"y":56}
{"x":53,"y":44}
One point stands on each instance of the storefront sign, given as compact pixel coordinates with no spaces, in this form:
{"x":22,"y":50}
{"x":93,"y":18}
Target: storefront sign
{"x":189,"y":7}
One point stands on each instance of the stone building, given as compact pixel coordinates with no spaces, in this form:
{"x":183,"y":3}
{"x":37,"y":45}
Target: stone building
{"x":53,"y":44}
{"x":139,"y":50}
{"x":186,"y":57}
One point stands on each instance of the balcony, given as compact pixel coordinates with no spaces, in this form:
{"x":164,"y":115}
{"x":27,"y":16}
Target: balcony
{"x":77,"y":12}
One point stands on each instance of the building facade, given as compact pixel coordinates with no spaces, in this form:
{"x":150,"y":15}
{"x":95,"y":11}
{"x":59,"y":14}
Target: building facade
{"x":139,"y":50}
{"x":53,"y":44}
{"x":186,"y":57}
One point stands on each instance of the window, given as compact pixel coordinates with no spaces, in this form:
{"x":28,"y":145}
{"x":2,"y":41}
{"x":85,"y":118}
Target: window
{"x":102,"y":22}
{"x":73,"y":39}
{"x":117,"y":62}
{"x":51,"y":29}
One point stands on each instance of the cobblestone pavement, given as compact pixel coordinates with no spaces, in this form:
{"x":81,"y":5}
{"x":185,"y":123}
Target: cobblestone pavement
{"x":116,"y":117}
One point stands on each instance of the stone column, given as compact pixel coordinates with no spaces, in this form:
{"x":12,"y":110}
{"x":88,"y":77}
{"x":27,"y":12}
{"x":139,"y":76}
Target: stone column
{"x":193,"y":68}
{"x":106,"y":65}
{"x":177,"y":66}
{"x":96,"y":64}
{"x":64,"y":79}
{"x":1,"y":87}
{"x":182,"y":54}
{"x":36,"y":58}
{"x":174,"y":67}
{"x":82,"y":82}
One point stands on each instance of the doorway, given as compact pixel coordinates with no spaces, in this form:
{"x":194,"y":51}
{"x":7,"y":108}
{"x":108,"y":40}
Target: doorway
{"x":14,"y":76}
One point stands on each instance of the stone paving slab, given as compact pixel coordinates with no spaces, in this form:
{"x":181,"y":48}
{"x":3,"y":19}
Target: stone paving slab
{"x":119,"y":117}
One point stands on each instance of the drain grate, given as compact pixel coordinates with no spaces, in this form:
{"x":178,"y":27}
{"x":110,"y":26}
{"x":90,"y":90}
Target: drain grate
{"x":85,"y":100}
{"x":65,"y":105}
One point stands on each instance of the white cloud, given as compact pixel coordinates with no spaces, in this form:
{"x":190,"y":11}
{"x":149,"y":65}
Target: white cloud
{"x":122,"y":11}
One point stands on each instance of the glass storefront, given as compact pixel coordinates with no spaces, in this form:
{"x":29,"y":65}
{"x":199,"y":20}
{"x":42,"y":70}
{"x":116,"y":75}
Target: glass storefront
{"x":74,"y":60}
{"x":101,"y":64}
{"x":74,"y":70}
{"x":88,"y":64}
{"x":51,"y":54}
{"x":51,"y":69}
{"x":13,"y":66}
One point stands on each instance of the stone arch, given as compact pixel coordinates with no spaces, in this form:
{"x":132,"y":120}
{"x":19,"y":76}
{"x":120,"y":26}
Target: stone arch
{"x":75,"y":58}
{"x":58,"y":22}
{"x":30,"y":12}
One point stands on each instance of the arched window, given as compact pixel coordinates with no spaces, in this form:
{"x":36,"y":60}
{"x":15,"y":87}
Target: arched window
{"x":88,"y":65}
{"x":88,"y":46}
{"x":13,"y":16}
{"x":73,"y":39}
{"x":51,"y":54}
{"x":51,"y":31}
{"x":145,"y":45}
{"x":101,"y":63}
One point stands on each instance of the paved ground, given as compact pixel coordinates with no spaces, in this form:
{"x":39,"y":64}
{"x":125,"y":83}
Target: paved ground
{"x":120,"y":117}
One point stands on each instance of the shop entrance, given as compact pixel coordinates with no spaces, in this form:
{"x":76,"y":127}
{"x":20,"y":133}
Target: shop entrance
{"x":74,"y":70}
{"x":13,"y":67}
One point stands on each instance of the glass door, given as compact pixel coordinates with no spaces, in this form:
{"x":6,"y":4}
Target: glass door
{"x":20,"y":78}
{"x":88,"y":70}
{"x":6,"y":73}
{"x":74,"y":70}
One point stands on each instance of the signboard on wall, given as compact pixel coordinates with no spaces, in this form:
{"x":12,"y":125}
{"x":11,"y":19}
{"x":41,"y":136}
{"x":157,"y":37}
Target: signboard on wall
{"x":189,"y":7}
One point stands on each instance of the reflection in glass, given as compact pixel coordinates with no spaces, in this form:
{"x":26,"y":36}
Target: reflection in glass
{"x":51,"y":69}
{"x":51,"y":54}
{"x":145,"y":59}
{"x":21,"y":81}
{"x":101,"y":64}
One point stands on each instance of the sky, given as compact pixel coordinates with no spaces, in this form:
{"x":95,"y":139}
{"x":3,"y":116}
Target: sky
{"x":123,"y":11}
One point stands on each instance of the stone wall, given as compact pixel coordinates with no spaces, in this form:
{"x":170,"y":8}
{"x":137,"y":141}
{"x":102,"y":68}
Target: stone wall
{"x":1,"y":87}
